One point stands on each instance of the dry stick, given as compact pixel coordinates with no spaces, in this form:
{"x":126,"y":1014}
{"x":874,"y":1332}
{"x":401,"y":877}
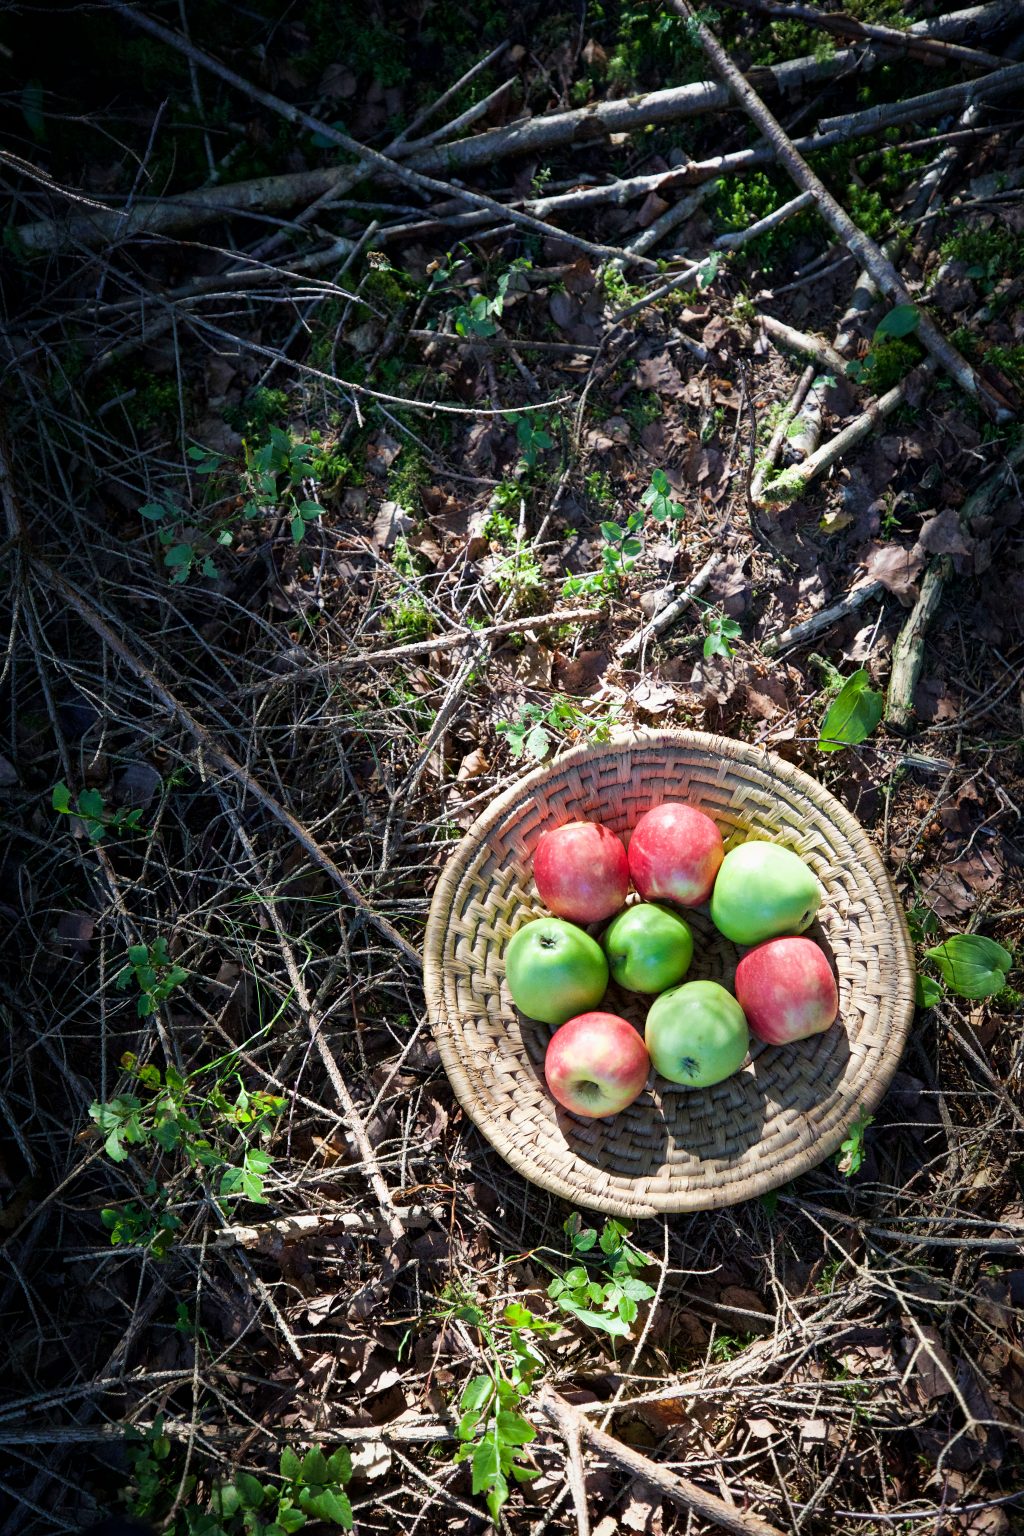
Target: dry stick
{"x":213,"y":752}
{"x":767,"y":461}
{"x":668,"y":615}
{"x":867,"y":252}
{"x":793,"y":482}
{"x":805,"y":344}
{"x":969,"y":91}
{"x":446,"y":96}
{"x":369,"y":158}
{"x":353,"y":1119}
{"x":571,"y":1424}
{"x":848,"y":26}
{"x":172,"y":215}
{"x":812,"y":627}
{"x":908,"y":652}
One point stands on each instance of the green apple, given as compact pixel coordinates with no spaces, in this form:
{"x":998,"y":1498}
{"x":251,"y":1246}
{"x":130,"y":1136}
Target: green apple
{"x":696,"y":1034}
{"x":649,"y":948}
{"x":762,"y":891}
{"x":555,"y":970}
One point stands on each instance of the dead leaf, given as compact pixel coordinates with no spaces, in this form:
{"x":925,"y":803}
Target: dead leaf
{"x":762,"y":1429}
{"x":661,"y":374}
{"x":766,"y":697}
{"x":581,"y":673}
{"x":896,"y":567}
{"x":371,"y":1459}
{"x":654,"y":698}
{"x":934,"y":1372}
{"x":739,"y":1296}
{"x":944,"y":535}
{"x":391,"y":520}
{"x":381,"y":453}
{"x":8,"y":773}
{"x":473,"y":764}
{"x":813,"y":1432}
{"x":533,"y":665}
{"x":562,"y":310}
{"x":641,"y":1506}
{"x":651,"y":208}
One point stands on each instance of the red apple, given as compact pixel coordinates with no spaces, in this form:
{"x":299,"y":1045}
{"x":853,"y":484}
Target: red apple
{"x":674,"y":854}
{"x":596,"y":1064}
{"x":787,"y":990}
{"x":581,"y":871}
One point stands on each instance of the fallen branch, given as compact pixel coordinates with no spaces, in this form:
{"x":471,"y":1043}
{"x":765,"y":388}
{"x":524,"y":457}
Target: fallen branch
{"x":271,"y":1235}
{"x":908,"y":652}
{"x":573,"y":1426}
{"x":843,"y":25}
{"x":805,"y":344}
{"x":930,"y":104}
{"x":811,"y":628}
{"x":766,"y":462}
{"x":668,"y":615}
{"x":867,"y":252}
{"x":795,"y":480}
{"x":276,"y":193}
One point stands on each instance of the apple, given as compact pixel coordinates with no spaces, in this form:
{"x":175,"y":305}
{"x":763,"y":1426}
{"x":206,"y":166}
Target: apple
{"x":649,"y":948}
{"x":697,"y":1034}
{"x":596,"y":1064}
{"x":787,"y":990}
{"x":675,"y":853}
{"x":554,"y":970}
{"x":763,"y":890}
{"x":581,"y":871}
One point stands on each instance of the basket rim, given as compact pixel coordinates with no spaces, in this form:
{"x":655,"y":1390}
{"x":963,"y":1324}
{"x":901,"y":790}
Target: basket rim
{"x":712,"y":746}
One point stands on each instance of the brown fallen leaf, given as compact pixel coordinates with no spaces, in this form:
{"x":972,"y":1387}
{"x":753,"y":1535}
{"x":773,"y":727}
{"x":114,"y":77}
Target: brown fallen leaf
{"x":660,"y":374}
{"x":896,"y":567}
{"x":944,"y":535}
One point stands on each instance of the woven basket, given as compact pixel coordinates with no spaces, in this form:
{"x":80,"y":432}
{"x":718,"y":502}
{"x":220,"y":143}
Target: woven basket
{"x":674,"y":1149}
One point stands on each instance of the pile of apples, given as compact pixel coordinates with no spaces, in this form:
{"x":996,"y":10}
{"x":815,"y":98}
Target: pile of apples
{"x":762,"y":897}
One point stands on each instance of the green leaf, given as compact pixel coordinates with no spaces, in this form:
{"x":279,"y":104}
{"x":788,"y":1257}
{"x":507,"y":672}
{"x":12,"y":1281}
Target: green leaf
{"x":154,"y":511}
{"x":332,"y":1506}
{"x":468,"y":1424}
{"x":899,"y":321}
{"x":61,"y":798}
{"x":514,"y":1429}
{"x":611,"y":533}
{"x":290,"y":1519}
{"x":708,"y":270}
{"x":314,"y":1466}
{"x":927,"y":992}
{"x":497,"y":1497}
{"x":599,"y":1320}
{"x":972,"y":966}
{"x":476,"y":1393}
{"x":226,"y":1500}
{"x":853,"y":715}
{"x":538,"y":743}
{"x":339,"y":1464}
{"x":91,"y":803}
{"x":178,"y":554}
{"x":486,"y":1464}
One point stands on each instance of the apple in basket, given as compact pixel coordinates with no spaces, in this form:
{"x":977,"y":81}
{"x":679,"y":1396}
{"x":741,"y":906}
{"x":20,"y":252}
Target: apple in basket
{"x":554,"y":970}
{"x":697,"y":1034}
{"x":596,"y":1064}
{"x":581,"y":871}
{"x":763,"y":890}
{"x":649,"y":948}
{"x":787,"y":990}
{"x":674,"y":854}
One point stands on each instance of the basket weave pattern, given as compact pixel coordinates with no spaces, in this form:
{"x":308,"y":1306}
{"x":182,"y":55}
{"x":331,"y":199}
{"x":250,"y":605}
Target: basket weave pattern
{"x":674,"y":1149}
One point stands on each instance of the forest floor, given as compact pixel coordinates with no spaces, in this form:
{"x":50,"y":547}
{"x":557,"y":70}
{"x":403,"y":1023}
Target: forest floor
{"x":333,"y":504}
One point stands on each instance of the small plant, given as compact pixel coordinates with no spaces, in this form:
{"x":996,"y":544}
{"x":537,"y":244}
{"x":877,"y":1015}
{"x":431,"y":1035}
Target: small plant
{"x":518,"y":575}
{"x":851,"y":1151}
{"x":620,"y":551}
{"x":533,"y":439}
{"x":478,"y":316}
{"x":91,"y":809}
{"x":970,"y":965}
{"x":609,"y":1304}
{"x":719,"y":630}
{"x":726,"y":1346}
{"x":151,"y":967}
{"x":310,"y":1488}
{"x":660,"y":499}
{"x":150,"y":1226}
{"x":492,"y":1431}
{"x":187,"y":1115}
{"x":890,"y":354}
{"x":598,"y":489}
{"x":534,"y":727}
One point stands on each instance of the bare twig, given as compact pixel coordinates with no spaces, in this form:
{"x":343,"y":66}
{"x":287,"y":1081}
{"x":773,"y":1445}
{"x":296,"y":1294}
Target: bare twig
{"x":843,"y":25}
{"x":668,"y":615}
{"x":867,"y":252}
{"x":800,"y":634}
{"x":908,"y":652}
{"x":730,"y":1517}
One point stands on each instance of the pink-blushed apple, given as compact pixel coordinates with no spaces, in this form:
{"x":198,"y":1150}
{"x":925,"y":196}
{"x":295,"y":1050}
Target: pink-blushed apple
{"x":787,"y":990}
{"x":581,"y":871}
{"x":596,"y":1064}
{"x":674,"y":854}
